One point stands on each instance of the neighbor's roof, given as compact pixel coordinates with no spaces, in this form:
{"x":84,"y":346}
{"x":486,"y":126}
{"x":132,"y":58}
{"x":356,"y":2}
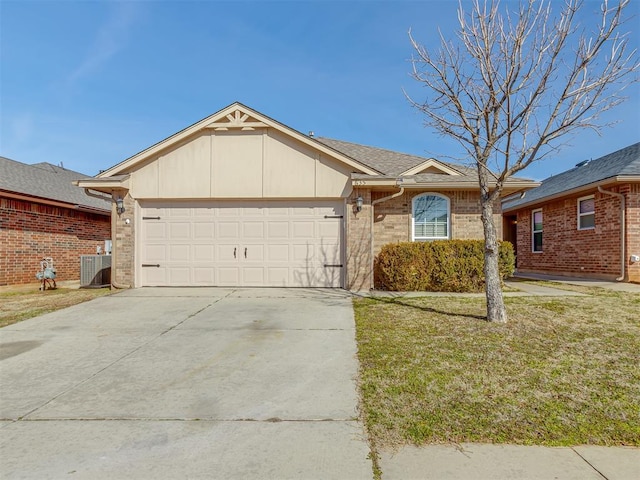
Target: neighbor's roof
{"x":623,"y":163}
{"x":46,"y":181}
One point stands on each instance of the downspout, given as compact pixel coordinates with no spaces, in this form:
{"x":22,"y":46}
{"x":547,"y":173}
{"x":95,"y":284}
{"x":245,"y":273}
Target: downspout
{"x":622,"y":229}
{"x":373,"y":216}
{"x":114,"y":248}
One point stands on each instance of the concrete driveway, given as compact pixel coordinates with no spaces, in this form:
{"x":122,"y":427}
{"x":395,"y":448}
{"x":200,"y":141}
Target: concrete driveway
{"x":184,"y":383}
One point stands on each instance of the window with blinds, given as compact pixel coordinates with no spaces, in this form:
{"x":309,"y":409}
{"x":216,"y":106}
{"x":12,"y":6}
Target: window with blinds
{"x":430,"y":217}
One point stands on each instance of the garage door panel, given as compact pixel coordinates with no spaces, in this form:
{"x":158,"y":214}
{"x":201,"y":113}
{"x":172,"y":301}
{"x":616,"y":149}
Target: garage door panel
{"x":253,"y":253}
{"x":154,"y":275}
{"x":329,"y":253}
{"x":253,"y":211}
{"x":277,"y":253}
{"x":179,"y":276}
{"x":177,"y":212}
{"x":204,"y":275}
{"x":203,"y":212}
{"x":329,"y":230}
{"x":229,"y":230}
{"x":204,"y":243}
{"x":228,"y":212}
{"x":156,"y":231}
{"x":203,"y":230}
{"x":253,"y":276}
{"x":179,"y":231}
{"x":278,"y":276}
{"x":302,"y":229}
{"x":227,"y":252}
{"x":253,"y":230}
{"x":154,"y":253}
{"x":204,"y":253}
{"x":228,"y":276}
{"x":179,"y":253}
{"x":277,"y":230}
{"x":303,"y":252}
{"x":316,"y":277}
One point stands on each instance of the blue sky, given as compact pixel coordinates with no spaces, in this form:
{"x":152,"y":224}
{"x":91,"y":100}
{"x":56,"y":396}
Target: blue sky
{"x":91,"y":83}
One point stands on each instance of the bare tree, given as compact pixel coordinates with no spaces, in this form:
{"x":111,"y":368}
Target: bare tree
{"x":513,"y":85}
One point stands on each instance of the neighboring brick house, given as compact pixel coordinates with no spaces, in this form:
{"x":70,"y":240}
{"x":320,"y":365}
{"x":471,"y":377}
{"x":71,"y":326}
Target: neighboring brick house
{"x":42,"y":214}
{"x":239,"y":199}
{"x":571,"y":224}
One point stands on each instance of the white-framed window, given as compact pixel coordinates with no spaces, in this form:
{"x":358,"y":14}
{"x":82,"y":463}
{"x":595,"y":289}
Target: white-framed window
{"x":536,"y":230}
{"x":587,"y":213}
{"x":430,"y":217}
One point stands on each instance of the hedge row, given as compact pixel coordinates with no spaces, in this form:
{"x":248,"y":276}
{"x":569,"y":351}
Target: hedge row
{"x":438,"y":266}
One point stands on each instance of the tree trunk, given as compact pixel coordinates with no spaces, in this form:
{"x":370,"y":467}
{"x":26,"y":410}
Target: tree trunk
{"x":495,"y":302}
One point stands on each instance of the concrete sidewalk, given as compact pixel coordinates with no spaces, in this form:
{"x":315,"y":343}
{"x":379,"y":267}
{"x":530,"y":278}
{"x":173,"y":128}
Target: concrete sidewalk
{"x":584,"y":282}
{"x":510,"y":462}
{"x":524,"y":289}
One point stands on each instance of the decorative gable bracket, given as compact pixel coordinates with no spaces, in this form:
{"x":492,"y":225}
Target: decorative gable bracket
{"x":237,"y":119}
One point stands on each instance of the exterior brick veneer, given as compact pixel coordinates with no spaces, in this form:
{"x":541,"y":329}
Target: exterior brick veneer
{"x":588,"y":253}
{"x":124,"y":243}
{"x":30,"y":231}
{"x":392,"y":223}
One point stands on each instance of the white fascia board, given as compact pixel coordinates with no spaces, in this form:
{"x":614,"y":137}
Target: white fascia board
{"x":431,"y":162}
{"x":211,"y":122}
{"x":103,"y":184}
{"x":451,"y":185}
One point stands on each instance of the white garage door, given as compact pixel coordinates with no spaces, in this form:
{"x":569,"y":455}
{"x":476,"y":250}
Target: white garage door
{"x":266,"y":243}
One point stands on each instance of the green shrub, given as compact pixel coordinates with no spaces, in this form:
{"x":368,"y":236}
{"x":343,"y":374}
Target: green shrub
{"x":438,"y":266}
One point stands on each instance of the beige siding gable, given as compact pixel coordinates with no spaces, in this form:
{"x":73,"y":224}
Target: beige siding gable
{"x":237,"y":163}
{"x":289,"y":167}
{"x":185,"y":171}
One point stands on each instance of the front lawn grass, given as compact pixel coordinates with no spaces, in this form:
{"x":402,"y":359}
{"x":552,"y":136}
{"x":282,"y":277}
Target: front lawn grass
{"x":563,"y":371}
{"x":17,"y":304}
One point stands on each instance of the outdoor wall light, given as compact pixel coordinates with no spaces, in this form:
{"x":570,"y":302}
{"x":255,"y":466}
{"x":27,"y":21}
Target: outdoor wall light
{"x":359,"y":202}
{"x":120,"y":205}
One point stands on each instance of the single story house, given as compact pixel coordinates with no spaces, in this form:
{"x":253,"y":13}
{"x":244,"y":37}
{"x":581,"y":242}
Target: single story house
{"x":239,"y":199}
{"x":583,"y":222}
{"x":42,"y":214}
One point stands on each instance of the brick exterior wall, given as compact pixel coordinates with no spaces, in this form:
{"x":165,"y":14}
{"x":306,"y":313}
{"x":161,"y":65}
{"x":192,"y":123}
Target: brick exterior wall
{"x":632,"y":194}
{"x":30,"y":231}
{"x":358,"y":248}
{"x":392,"y":223}
{"x":588,"y":253}
{"x":124,"y":245}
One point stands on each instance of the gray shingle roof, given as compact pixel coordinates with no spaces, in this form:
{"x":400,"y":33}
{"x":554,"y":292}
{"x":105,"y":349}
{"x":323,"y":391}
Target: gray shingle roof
{"x":621,"y":163}
{"x":392,"y":164}
{"x":46,"y":181}
{"x":386,"y":162}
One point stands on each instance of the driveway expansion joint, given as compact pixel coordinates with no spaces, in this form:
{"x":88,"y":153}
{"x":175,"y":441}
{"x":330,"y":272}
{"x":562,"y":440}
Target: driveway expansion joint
{"x":589,"y":463}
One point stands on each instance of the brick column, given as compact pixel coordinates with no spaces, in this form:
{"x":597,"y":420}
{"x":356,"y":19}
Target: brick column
{"x":123,"y":243}
{"x":359,"y":274}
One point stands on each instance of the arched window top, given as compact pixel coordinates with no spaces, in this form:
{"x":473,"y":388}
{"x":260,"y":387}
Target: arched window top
{"x":431,"y":217}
